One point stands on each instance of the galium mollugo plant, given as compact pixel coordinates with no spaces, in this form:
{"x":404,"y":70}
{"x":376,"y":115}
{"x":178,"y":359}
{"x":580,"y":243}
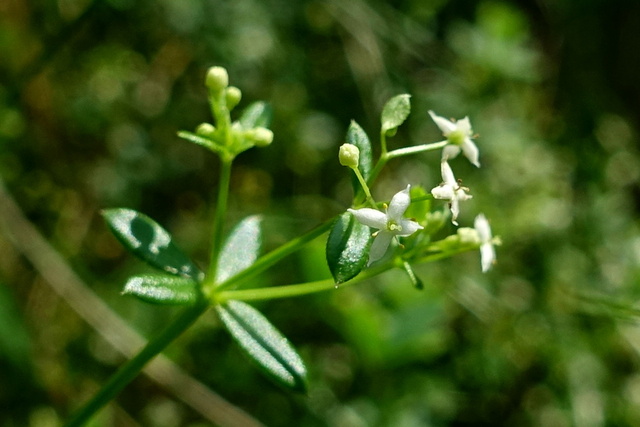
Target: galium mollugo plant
{"x":365,"y":240}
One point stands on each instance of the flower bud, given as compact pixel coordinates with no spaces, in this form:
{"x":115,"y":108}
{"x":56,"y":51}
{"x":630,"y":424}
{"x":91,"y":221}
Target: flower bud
{"x":233,"y":96}
{"x":217,"y":79}
{"x":262,"y":136}
{"x":205,"y":129}
{"x":349,"y":155}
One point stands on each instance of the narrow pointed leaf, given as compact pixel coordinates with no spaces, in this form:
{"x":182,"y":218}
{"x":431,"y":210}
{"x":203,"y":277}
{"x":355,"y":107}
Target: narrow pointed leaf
{"x":264,"y":344}
{"x":199,"y":140}
{"x":395,"y":112}
{"x":347,"y":248}
{"x":358,"y":137}
{"x":147,"y":239}
{"x":163,"y":289}
{"x":257,"y":114}
{"x":241,"y":249}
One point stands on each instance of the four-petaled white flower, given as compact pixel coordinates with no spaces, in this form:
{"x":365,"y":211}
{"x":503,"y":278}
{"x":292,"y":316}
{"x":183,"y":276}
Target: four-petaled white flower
{"x":390,"y":224}
{"x":487,"y":251}
{"x":458,"y":134}
{"x":450,"y":190}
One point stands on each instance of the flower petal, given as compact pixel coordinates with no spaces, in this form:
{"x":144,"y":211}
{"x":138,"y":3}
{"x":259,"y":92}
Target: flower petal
{"x":450,"y":152}
{"x":399,"y":204}
{"x":464,"y":125}
{"x":487,"y":256}
{"x":454,"y":205}
{"x":471,"y":151}
{"x":446,"y":126}
{"x":379,"y":246}
{"x":370,"y":217}
{"x":443,"y":192}
{"x":447,"y":174}
{"x":409,"y":227}
{"x":483,"y":228}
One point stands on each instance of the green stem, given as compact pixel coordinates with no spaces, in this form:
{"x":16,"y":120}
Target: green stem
{"x":415,"y":149}
{"x":365,"y":187}
{"x":218,"y":219}
{"x":133,"y":367}
{"x":297,"y":289}
{"x":383,"y":143}
{"x":276,"y":255}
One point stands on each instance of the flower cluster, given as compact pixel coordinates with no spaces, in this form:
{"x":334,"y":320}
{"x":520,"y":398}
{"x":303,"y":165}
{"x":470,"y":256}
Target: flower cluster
{"x":391,"y":223}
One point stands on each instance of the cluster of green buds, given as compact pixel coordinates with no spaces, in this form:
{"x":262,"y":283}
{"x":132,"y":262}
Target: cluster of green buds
{"x":229,"y":138}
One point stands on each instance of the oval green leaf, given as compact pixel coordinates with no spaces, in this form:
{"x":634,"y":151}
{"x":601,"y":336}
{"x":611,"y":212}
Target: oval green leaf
{"x":395,"y":112}
{"x":358,"y":137}
{"x":148,"y":240}
{"x":241,"y":249}
{"x":347,"y":248}
{"x":163,"y":289}
{"x":264,"y":344}
{"x":255,"y":115}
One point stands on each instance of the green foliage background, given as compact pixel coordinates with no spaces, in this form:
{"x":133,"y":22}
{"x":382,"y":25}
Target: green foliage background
{"x":93,"y":92}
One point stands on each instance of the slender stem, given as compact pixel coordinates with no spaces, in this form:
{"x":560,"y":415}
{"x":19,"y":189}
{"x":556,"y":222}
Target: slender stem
{"x":383,"y":143}
{"x":297,"y":289}
{"x":133,"y":367}
{"x":365,"y":187}
{"x":276,"y":255}
{"x":219,"y":216}
{"x":416,"y":149}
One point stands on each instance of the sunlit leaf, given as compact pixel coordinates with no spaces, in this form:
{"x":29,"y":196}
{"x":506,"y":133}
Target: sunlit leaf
{"x":347,"y":248}
{"x":358,"y":137}
{"x":147,"y":239}
{"x":395,"y":112}
{"x":162,"y":289}
{"x":255,"y":115}
{"x":241,"y":248}
{"x":264,"y":344}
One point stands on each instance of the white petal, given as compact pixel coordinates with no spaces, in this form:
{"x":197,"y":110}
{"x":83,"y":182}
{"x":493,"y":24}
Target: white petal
{"x":446,"y":126}
{"x":399,"y":204}
{"x":483,"y":228}
{"x":443,"y":192}
{"x":447,"y":174}
{"x":471,"y":151}
{"x":409,"y":227}
{"x":464,"y":125}
{"x":370,"y":217}
{"x":455,"y":210}
{"x":487,"y":256}
{"x":462,"y":195}
{"x":450,"y":152}
{"x":379,"y":246}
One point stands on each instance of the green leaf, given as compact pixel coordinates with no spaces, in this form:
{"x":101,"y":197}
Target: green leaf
{"x":255,"y":115}
{"x":394,"y":113}
{"x":420,"y":204}
{"x":347,"y":248}
{"x":264,"y":344}
{"x":358,"y":137}
{"x":147,"y":239}
{"x":162,"y":289}
{"x":241,"y":249}
{"x":202,"y":141}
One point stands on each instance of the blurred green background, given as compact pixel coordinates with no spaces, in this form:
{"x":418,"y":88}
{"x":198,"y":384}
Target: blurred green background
{"x":93,"y":92}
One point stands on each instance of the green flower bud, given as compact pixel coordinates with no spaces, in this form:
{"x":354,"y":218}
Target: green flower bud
{"x":205,"y":129}
{"x":217,"y":79}
{"x":262,"y":136}
{"x":349,"y":155}
{"x":234,"y":96}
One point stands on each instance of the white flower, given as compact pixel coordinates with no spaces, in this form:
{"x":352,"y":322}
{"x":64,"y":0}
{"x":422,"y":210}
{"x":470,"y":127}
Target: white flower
{"x":459,"y":134}
{"x":389,"y":224}
{"x":487,"y":251}
{"x":450,"y":190}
